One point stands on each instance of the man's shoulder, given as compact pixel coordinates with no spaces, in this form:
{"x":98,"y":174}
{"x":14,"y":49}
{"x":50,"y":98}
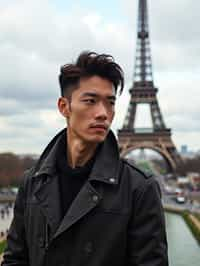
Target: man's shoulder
{"x":30,"y":171}
{"x":137,"y":178}
{"x":28,"y":176}
{"x":134,"y":174}
{"x":135,"y":169}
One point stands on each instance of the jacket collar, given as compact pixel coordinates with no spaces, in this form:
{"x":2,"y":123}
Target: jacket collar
{"x":106,"y":166}
{"x":47,"y":161}
{"x":105,"y":169}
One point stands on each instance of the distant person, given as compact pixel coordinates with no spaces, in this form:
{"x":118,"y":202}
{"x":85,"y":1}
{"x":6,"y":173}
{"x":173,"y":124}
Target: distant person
{"x":2,"y":213}
{"x":81,"y":204}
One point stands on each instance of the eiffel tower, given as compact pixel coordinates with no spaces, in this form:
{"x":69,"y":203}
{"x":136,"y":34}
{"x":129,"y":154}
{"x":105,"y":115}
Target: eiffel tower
{"x":143,"y":91}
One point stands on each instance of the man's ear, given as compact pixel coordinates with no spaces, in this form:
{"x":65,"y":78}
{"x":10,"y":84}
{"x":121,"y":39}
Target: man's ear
{"x":64,"y":106}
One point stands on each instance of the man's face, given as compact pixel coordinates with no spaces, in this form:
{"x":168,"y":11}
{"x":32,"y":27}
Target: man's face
{"x":91,"y":110}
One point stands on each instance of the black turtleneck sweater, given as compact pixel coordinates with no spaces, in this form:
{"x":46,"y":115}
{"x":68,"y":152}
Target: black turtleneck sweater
{"x":70,"y":179}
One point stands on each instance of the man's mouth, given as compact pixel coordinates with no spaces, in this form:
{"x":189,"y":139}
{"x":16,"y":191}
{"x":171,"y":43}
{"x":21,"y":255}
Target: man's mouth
{"x":100,"y":126}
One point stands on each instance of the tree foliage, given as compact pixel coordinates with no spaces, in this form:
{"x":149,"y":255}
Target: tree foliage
{"x":189,"y":165}
{"x":12,"y":167}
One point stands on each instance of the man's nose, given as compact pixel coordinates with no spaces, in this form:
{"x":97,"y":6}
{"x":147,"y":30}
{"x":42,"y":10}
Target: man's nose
{"x":101,"y":111}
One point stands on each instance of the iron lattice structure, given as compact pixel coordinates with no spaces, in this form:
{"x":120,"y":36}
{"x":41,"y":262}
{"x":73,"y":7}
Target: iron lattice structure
{"x":143,"y":91}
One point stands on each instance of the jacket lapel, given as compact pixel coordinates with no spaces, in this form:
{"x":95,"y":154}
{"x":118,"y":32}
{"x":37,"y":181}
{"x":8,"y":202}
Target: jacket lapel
{"x":86,"y":200}
{"x":49,"y":199}
{"x":47,"y":193}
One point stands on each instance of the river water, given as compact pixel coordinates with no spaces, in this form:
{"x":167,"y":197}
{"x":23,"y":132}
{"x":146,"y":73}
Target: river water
{"x":182,"y":247}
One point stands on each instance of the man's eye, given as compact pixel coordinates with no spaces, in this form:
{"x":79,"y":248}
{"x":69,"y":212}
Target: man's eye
{"x":89,"y":101}
{"x":111,"y":102}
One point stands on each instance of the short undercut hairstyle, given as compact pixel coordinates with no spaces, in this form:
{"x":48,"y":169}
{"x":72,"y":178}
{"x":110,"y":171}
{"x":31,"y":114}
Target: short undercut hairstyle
{"x":89,"y":64}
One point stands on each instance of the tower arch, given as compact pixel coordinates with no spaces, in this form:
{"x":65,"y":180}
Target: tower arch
{"x":165,"y":155}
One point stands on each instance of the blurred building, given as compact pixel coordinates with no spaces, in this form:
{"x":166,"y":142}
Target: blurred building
{"x":186,"y":153}
{"x":184,"y":149}
{"x":194,"y":180}
{"x":183,"y":182}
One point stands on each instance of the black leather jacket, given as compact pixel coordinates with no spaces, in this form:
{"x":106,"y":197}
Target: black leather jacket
{"x":116,"y":219}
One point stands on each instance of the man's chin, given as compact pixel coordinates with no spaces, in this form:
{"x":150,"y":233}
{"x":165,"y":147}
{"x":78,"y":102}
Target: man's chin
{"x":97,"y":138}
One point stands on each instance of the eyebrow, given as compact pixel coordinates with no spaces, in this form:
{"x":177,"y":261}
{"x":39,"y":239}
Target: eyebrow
{"x":92,"y":94}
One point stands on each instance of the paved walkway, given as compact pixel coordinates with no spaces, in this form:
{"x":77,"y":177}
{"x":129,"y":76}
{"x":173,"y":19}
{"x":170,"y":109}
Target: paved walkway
{"x":5,"y":218}
{"x":1,"y":256}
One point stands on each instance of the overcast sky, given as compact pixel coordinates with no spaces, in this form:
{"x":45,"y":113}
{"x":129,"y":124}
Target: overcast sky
{"x":37,"y":36}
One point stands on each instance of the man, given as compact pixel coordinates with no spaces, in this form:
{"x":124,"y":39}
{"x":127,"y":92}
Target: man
{"x":81,"y":204}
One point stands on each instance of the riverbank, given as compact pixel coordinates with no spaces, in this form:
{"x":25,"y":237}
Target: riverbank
{"x":2,"y":247}
{"x":191,"y":219}
{"x":2,"y":244}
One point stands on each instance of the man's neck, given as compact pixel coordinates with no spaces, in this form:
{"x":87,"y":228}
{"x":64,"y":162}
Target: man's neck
{"x":79,"y":152}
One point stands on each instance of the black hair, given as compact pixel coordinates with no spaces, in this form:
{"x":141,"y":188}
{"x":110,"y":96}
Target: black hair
{"x":89,"y":64}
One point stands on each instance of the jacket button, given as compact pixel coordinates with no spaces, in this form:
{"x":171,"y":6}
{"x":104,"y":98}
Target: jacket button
{"x":41,"y":242}
{"x":112,"y":180}
{"x":95,"y":198}
{"x":88,"y":248}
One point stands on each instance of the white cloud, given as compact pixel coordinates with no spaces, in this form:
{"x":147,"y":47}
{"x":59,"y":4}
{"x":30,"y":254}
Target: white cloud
{"x":36,"y":39}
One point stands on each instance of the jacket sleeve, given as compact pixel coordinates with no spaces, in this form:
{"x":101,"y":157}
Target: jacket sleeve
{"x":16,"y":252}
{"x":147,"y":240}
